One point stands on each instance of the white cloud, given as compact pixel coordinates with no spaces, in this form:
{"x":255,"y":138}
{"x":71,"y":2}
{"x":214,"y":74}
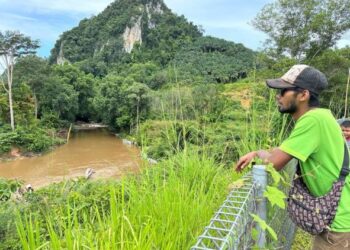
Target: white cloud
{"x":77,"y":6}
{"x":10,"y":16}
{"x":229,"y":24}
{"x":33,"y":27}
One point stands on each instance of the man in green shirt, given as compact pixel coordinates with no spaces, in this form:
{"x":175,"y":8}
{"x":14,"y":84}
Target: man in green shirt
{"x":316,"y":141}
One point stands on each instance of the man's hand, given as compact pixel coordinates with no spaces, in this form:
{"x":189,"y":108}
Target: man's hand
{"x":277,"y":157}
{"x":346,"y":132}
{"x":245,"y":160}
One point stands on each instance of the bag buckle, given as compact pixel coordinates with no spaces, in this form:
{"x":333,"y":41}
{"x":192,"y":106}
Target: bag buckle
{"x":344,"y":171}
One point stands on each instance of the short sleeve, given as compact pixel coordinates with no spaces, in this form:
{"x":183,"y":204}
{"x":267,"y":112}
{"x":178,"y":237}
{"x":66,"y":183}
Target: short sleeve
{"x":304,"y":139}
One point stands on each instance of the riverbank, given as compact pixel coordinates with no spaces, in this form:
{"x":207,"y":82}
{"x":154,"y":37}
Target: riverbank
{"x":97,"y":149}
{"x":187,"y":194}
{"x":17,"y":153}
{"x":88,"y":126}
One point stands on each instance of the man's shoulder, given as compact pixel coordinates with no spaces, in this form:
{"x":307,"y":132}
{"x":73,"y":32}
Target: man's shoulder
{"x":316,"y":115}
{"x":319,"y":112}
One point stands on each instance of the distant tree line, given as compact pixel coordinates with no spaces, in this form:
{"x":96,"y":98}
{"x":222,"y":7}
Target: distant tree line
{"x":102,"y":83}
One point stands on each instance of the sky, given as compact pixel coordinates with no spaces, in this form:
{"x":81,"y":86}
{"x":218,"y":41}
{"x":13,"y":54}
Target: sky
{"x":45,"y":20}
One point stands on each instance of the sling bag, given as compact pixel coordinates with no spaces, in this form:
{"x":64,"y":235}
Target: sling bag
{"x":315,"y":214}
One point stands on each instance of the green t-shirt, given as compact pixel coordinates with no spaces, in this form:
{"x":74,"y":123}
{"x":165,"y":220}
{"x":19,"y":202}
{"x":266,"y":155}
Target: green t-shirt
{"x":317,"y":142}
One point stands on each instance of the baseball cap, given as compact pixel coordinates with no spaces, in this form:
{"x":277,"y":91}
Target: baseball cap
{"x":302,"y":76}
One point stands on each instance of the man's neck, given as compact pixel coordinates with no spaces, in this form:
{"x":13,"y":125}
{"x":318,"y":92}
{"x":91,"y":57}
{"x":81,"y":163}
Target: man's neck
{"x":301,"y":111}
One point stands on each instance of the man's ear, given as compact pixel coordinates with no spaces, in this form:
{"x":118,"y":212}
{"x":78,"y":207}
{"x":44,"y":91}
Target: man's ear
{"x":304,"y":95}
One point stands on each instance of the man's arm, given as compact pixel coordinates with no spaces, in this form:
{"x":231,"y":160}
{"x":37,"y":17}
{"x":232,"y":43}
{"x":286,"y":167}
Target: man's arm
{"x":277,"y":157}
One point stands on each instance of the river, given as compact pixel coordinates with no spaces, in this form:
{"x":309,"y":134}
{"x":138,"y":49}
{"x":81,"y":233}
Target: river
{"x":97,"y":149}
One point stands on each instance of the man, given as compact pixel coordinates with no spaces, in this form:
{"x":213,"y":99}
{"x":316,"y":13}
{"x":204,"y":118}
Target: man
{"x":316,"y":141}
{"x":346,"y":132}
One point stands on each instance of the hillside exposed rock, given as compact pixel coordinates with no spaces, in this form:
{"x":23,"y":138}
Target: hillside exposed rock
{"x":60,"y":58}
{"x":113,"y":33}
{"x":132,"y":35}
{"x":159,"y":36}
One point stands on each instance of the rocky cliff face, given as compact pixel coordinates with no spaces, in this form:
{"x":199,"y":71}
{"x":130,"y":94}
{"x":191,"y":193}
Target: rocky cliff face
{"x":150,"y":8}
{"x":112,"y":34}
{"x":60,"y":58}
{"x":132,"y":35}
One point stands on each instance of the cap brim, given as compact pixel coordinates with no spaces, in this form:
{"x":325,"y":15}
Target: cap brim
{"x":278,"y":84}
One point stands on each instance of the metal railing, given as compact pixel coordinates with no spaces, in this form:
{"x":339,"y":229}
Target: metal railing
{"x":232,"y":225}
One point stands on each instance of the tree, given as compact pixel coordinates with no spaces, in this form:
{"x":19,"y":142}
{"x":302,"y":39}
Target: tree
{"x":13,"y":45}
{"x":335,"y":65}
{"x":83,"y":86}
{"x":33,"y":71}
{"x":138,"y":95}
{"x":59,"y":97}
{"x":304,"y":28}
{"x":108,"y":99}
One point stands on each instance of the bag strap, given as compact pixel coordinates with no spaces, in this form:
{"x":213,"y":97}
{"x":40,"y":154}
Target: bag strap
{"x":345,"y":170}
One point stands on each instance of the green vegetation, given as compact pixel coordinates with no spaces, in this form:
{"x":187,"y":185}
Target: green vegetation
{"x":98,"y":41}
{"x":304,"y":28}
{"x":192,"y":102}
{"x":34,"y":138}
{"x":302,"y":240}
{"x":174,"y":199}
{"x":13,"y":45}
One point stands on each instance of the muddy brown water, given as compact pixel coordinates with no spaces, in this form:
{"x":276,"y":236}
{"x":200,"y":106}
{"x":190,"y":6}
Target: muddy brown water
{"x":97,"y":149}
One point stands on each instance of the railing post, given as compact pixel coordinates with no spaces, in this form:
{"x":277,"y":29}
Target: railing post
{"x":260,"y":178}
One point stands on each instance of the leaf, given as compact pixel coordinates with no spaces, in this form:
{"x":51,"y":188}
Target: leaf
{"x":237,"y":184}
{"x":272,"y":232}
{"x":263,"y":225}
{"x":275,"y":196}
{"x":255,"y":234}
{"x":276,"y":176}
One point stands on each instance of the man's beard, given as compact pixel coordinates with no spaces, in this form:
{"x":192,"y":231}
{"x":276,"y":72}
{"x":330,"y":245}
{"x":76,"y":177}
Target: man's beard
{"x":292,"y":108}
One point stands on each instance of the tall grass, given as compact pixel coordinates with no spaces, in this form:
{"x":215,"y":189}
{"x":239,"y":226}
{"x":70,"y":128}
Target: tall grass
{"x":265,"y":127}
{"x":165,"y":207}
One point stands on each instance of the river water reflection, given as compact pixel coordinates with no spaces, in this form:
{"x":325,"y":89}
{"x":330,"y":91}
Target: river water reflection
{"x":97,"y":149}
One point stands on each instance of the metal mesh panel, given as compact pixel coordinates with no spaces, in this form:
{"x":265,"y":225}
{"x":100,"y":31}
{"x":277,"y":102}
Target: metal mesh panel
{"x":278,"y":218}
{"x":231,"y":226}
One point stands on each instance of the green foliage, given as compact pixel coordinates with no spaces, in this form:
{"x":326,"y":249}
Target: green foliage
{"x":304,"y":28}
{"x":60,"y":97}
{"x":276,"y":177}
{"x":121,"y":102}
{"x":32,"y":138}
{"x":7,"y":139}
{"x":31,"y":70}
{"x":50,"y":120}
{"x":126,"y":214}
{"x":8,"y":233}
{"x":302,"y":240}
{"x":100,"y":38}
{"x":83,"y":86}
{"x":23,"y":105}
{"x":147,"y":73}
{"x":335,"y":64}
{"x":263,"y":225}
{"x":13,"y":45}
{"x":270,"y":67}
{"x":275,"y":196}
{"x":198,"y":116}
{"x":7,"y":187}
{"x":216,"y":60}
{"x":4,"y":106}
